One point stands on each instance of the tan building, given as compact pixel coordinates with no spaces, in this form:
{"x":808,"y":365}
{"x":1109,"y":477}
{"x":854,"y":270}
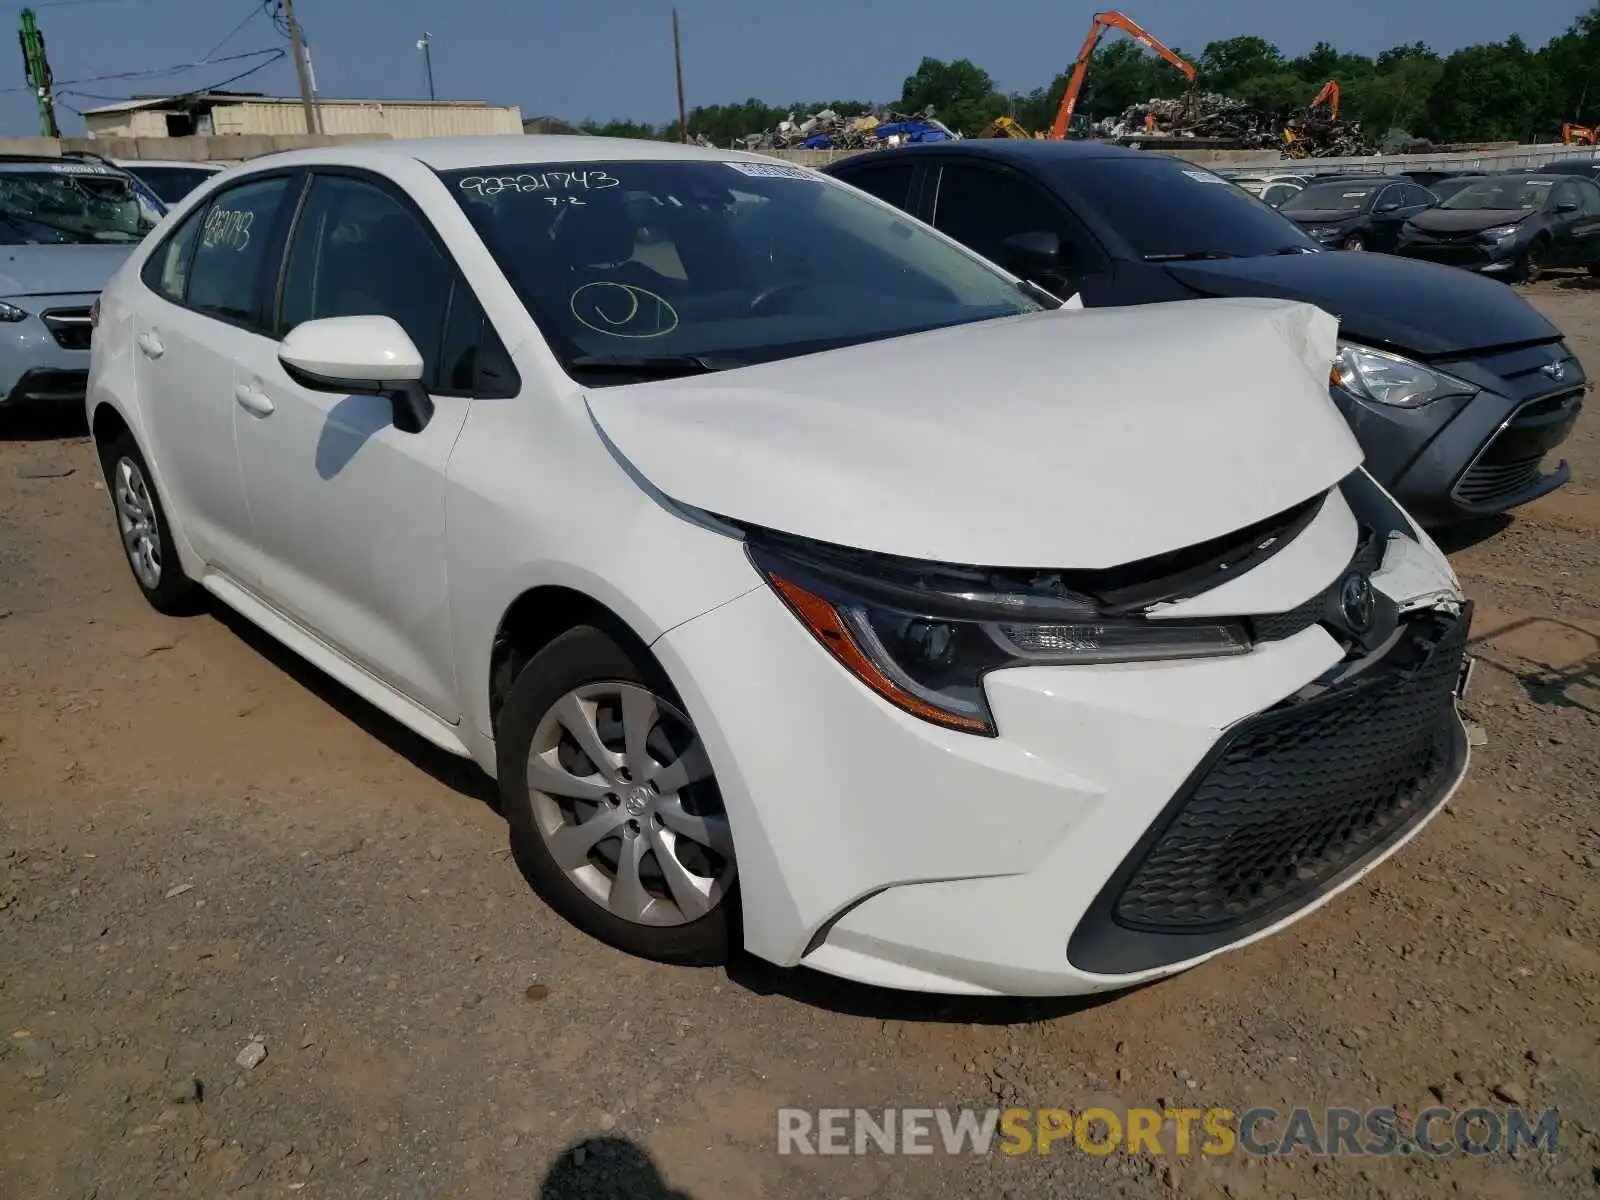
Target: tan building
{"x":224,"y":113}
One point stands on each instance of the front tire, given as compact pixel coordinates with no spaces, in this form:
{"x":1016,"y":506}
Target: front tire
{"x":1533,"y":260}
{"x":1355,"y":242}
{"x":615,"y":816}
{"x":144,"y":529}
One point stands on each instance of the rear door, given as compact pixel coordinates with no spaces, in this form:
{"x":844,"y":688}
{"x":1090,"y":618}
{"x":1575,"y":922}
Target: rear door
{"x":981,"y":205}
{"x":206,"y":313}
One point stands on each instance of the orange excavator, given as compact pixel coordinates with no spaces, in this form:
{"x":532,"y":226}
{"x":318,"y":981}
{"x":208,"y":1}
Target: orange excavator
{"x":1577,"y":135}
{"x":1098,"y":28}
{"x":1329,"y":95}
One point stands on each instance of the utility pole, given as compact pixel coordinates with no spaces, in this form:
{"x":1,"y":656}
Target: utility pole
{"x":37,"y":67}
{"x":297,"y":48}
{"x":425,"y":44}
{"x":677,"y":58}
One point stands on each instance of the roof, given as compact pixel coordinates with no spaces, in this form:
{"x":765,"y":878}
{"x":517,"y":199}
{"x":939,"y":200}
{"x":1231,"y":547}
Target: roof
{"x":222,"y":99}
{"x":13,"y":163}
{"x":134,"y":164}
{"x":512,"y":149}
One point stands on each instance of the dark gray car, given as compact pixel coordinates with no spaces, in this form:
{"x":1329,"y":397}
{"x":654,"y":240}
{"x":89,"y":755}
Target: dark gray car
{"x":1512,"y":226}
{"x":1455,"y":386}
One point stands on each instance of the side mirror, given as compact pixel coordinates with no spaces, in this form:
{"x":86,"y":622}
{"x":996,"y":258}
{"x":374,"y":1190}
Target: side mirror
{"x":360,"y":356}
{"x":1035,"y":256}
{"x":1566,"y":206}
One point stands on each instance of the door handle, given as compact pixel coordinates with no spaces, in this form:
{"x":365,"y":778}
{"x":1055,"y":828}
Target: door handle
{"x":150,"y":344}
{"x":256,"y":402}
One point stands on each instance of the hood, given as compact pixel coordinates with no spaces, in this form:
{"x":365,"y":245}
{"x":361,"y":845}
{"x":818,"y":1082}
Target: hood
{"x":59,"y":270}
{"x":1468,"y":220}
{"x":1076,"y":438}
{"x":1417,"y":307}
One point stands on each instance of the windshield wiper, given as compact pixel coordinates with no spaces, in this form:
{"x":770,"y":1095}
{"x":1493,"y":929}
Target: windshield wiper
{"x":661,"y":366}
{"x":1189,"y":256}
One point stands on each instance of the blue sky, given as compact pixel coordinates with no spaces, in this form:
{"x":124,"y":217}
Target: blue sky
{"x":613,"y":58}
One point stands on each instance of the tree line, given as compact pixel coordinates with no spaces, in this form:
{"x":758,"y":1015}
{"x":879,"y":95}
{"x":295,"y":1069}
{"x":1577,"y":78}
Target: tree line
{"x":1502,"y":91}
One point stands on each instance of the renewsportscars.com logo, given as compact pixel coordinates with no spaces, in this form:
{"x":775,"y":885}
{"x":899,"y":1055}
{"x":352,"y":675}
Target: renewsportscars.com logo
{"x":1264,"y":1132}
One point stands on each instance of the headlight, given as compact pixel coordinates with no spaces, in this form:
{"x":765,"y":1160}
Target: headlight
{"x":1386,"y":378}
{"x":1499,"y":232}
{"x":11,"y":313}
{"x":923,"y":636}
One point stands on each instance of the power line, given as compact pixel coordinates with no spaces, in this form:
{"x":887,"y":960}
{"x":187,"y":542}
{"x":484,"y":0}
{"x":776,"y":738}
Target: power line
{"x":276,"y":52}
{"x":211,"y":87}
{"x":255,"y":11}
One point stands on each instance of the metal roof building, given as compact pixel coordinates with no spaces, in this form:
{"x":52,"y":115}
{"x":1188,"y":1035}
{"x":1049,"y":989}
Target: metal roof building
{"x":223,"y":113}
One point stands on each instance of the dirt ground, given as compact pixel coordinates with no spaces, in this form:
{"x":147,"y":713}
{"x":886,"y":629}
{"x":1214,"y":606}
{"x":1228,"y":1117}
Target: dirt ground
{"x":204,"y":846}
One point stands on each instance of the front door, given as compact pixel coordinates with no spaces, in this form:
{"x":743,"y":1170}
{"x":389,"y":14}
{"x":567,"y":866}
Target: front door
{"x":208,"y":276}
{"x":348,"y":510}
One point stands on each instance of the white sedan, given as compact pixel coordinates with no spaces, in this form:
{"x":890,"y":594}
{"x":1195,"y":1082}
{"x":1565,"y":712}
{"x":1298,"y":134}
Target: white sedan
{"x":809,"y":583}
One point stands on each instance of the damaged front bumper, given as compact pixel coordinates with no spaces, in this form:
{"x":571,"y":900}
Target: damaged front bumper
{"x":1129,"y":820}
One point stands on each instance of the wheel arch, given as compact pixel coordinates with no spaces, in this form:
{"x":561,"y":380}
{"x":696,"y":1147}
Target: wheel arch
{"x":534,"y":619}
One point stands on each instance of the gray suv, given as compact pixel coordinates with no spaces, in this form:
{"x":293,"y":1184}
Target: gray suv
{"x":65,"y":227}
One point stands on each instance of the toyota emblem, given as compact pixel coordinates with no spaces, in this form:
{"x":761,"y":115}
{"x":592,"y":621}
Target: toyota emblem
{"x":1356,"y":603}
{"x":1555,"y":370}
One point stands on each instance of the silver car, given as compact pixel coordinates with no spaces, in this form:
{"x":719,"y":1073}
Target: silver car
{"x":66,"y":226}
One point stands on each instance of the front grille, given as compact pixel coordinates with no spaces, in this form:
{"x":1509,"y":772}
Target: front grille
{"x":1509,"y":463}
{"x":1450,"y":254}
{"x":1292,"y":798}
{"x":69,"y":326}
{"x":1492,"y":483}
{"x":1274,"y":627}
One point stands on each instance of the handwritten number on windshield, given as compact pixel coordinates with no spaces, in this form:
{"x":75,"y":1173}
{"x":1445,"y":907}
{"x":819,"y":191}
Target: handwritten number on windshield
{"x":623,"y":310}
{"x":550,"y":181}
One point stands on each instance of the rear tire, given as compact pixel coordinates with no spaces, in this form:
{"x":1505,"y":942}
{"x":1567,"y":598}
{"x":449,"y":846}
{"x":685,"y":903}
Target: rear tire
{"x":1355,"y":242}
{"x":615,"y":816}
{"x":145,"y":532}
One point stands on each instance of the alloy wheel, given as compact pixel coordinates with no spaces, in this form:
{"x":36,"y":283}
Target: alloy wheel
{"x":136,"y":518}
{"x":624,"y":799}
{"x":1354,"y":242}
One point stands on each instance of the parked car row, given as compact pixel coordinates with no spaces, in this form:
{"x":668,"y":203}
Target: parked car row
{"x":784,"y":557}
{"x":1511,"y":224}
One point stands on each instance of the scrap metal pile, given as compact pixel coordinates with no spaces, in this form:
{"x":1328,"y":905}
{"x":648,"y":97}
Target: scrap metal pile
{"x":1215,"y":117}
{"x":1194,"y":115}
{"x":827,"y":130}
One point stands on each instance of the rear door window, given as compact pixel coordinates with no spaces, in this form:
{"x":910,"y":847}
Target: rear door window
{"x":236,"y":242}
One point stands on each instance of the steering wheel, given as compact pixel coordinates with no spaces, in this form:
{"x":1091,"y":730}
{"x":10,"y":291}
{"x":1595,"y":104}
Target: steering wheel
{"x":765,"y":298}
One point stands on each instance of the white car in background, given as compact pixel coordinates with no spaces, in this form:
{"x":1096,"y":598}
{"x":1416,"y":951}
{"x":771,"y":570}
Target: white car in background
{"x":803,"y":578}
{"x":173,"y":179}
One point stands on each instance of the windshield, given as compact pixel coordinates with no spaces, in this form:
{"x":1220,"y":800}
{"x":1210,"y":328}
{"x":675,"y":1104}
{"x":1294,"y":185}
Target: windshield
{"x":1166,"y":209}
{"x":1446,"y":188}
{"x":733,"y":262}
{"x":72,"y":203}
{"x":1331,"y":197}
{"x":1523,"y":195}
{"x":172,"y":184}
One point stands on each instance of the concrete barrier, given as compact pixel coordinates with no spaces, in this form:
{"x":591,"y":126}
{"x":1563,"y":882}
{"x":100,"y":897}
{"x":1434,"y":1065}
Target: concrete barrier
{"x":1238,"y":162}
{"x":188,"y":149}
